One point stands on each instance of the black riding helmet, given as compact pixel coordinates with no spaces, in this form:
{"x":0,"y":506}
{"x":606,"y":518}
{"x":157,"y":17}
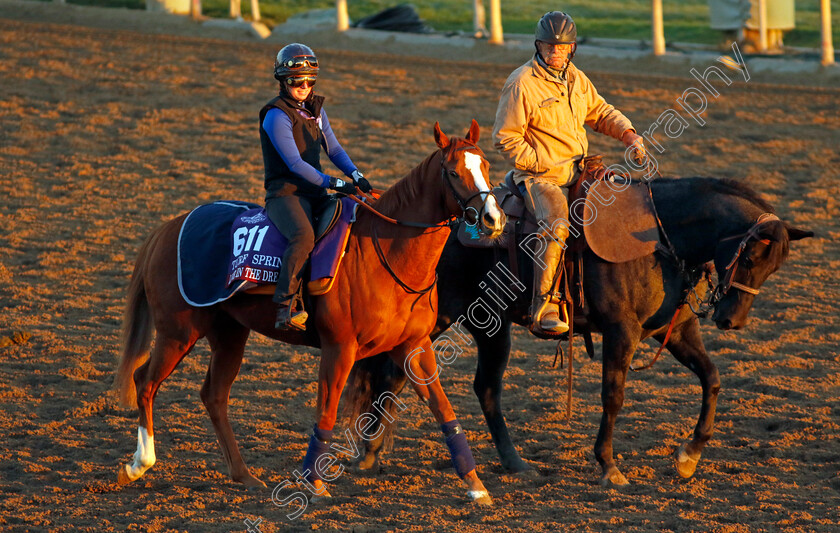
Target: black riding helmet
{"x":556,"y":27}
{"x":295,"y":60}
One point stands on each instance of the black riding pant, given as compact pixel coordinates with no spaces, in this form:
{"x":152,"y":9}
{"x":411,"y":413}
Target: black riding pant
{"x":294,"y":216}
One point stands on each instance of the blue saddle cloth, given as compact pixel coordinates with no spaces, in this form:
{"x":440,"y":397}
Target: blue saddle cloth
{"x":204,"y":252}
{"x":228,"y":246}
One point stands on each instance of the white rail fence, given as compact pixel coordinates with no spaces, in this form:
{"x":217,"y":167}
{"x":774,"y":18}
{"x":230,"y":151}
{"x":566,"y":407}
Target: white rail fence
{"x":495,"y":34}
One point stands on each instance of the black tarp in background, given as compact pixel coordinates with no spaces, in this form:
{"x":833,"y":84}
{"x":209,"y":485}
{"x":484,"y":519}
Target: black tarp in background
{"x":403,"y":17}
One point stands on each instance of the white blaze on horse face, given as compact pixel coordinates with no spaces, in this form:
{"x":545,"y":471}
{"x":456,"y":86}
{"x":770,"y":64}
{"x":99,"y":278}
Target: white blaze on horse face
{"x":473,"y":163}
{"x":144,"y":457}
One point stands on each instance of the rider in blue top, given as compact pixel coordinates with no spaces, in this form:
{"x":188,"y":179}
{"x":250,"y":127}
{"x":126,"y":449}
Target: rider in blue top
{"x":293,"y":128}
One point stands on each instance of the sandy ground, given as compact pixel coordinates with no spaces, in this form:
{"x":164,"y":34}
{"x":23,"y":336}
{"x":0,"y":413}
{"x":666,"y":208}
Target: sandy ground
{"x":106,"y":133}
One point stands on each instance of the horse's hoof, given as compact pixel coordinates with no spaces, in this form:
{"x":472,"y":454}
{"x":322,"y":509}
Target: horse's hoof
{"x":324,"y":496}
{"x":252,"y":483}
{"x":686,"y":464}
{"x":122,"y":475}
{"x":518,"y":467}
{"x":480,"y":497}
{"x":321,"y":492}
{"x":614,"y":478}
{"x":525,"y":472}
{"x":368,"y":465}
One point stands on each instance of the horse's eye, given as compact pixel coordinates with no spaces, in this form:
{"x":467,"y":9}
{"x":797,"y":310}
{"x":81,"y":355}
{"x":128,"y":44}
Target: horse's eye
{"x":748,"y":263}
{"x":453,"y":173}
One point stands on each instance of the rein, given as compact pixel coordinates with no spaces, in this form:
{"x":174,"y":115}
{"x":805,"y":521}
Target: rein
{"x":727,"y":283}
{"x":664,"y":342}
{"x":448,"y":224}
{"x":690,"y":275}
{"x":384,"y":260}
{"x":453,"y":221}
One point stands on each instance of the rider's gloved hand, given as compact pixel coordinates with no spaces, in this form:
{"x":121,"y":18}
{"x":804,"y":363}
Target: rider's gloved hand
{"x":637,"y":142}
{"x":361,"y":182}
{"x":338,"y":184}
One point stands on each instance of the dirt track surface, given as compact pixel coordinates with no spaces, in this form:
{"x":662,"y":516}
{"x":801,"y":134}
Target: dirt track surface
{"x":105,"y":134}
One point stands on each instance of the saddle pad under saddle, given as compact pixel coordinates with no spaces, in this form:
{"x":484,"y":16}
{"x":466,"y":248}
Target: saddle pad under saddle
{"x":257,"y":247}
{"x":207,"y":242}
{"x":620,"y":225}
{"x":203,"y":252}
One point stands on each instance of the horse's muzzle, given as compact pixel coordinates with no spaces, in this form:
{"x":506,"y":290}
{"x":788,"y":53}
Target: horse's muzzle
{"x":727,"y":324}
{"x":492,"y":226}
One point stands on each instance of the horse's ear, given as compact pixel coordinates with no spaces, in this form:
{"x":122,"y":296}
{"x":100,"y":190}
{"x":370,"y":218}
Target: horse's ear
{"x":472,"y":135}
{"x":440,"y":138}
{"x":795,"y":234}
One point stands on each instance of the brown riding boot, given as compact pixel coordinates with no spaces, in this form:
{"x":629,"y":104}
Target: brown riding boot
{"x":546,"y":314}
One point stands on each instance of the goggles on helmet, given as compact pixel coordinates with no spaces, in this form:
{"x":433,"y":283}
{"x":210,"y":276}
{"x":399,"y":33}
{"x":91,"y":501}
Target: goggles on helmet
{"x":298,"y":81}
{"x":300,"y":62}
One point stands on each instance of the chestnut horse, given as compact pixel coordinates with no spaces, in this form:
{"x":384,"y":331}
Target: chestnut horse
{"x":705,"y":220}
{"x":371,"y":309}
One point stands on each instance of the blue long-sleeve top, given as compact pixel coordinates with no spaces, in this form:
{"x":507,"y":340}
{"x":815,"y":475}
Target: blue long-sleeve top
{"x":278,"y":126}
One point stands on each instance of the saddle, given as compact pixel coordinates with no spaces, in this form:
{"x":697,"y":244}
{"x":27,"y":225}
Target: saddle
{"x":229,"y":247}
{"x":619,"y":221}
{"x":260,"y":247}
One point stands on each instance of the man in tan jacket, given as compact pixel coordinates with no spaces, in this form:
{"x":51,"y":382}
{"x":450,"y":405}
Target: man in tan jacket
{"x":539,"y":128}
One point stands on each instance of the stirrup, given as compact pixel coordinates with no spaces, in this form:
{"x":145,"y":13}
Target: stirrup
{"x":289,"y":319}
{"x":560,"y":316}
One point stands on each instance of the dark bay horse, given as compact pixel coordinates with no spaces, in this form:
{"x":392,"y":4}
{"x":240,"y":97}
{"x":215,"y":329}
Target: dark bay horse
{"x":706,"y":220}
{"x":368,"y":311}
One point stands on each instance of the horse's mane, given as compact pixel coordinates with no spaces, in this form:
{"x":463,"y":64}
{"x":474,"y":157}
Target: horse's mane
{"x":742,"y":190}
{"x":705,"y":185}
{"x":405,"y":191}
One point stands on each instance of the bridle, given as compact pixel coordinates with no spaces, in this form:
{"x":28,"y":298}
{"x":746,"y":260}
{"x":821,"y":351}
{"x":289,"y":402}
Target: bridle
{"x":728,"y":281}
{"x":691,"y":277}
{"x":462,"y":203}
{"x":452,"y":222}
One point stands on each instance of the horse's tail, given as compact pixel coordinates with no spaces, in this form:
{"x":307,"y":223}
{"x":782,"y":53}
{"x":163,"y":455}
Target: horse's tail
{"x":368,"y":379}
{"x":137,"y":327}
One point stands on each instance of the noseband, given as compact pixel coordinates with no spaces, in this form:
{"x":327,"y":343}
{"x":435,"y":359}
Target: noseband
{"x":464,"y":210}
{"x":462,"y":203}
{"x":728,"y":281}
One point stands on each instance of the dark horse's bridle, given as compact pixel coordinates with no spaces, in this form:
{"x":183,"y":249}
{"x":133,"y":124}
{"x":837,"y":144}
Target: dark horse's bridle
{"x":691,"y":276}
{"x":728,"y":281}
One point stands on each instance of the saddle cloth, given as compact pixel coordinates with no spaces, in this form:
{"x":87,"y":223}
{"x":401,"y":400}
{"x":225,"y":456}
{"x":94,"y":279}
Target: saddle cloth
{"x":228,"y":247}
{"x":618,"y":220}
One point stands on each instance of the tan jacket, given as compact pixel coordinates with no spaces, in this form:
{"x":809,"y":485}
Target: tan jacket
{"x":539,"y":128}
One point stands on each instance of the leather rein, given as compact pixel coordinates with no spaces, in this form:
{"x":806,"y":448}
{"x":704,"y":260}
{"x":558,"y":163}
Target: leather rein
{"x":728,"y":282}
{"x":462,"y":204}
{"x":690,"y":275}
